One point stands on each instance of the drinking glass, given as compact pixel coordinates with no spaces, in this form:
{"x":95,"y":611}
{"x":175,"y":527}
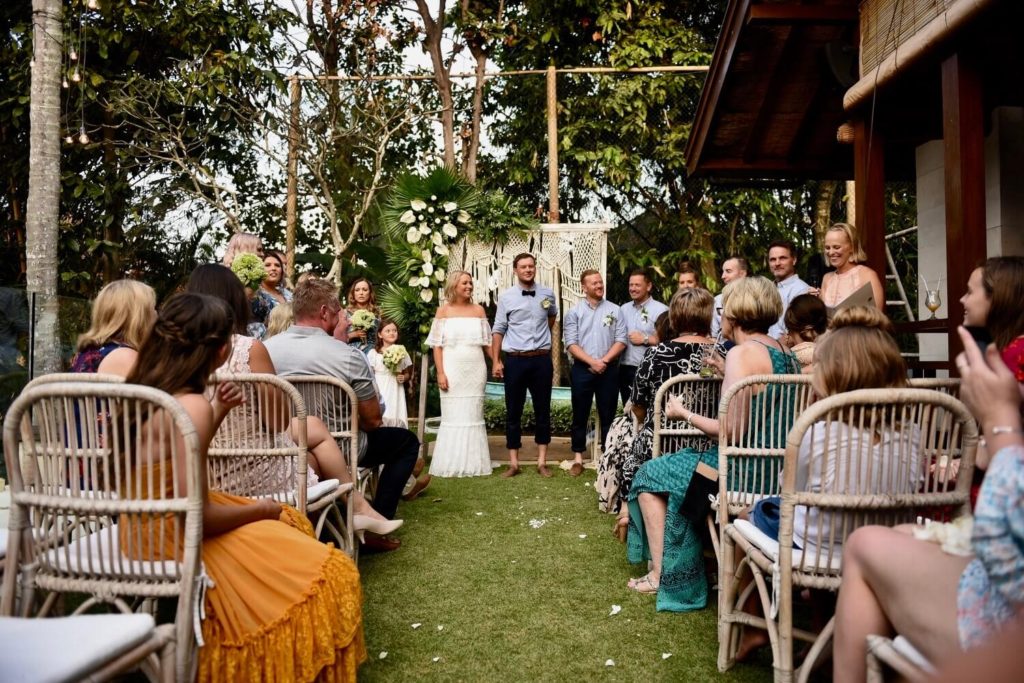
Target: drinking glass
{"x":932,"y":301}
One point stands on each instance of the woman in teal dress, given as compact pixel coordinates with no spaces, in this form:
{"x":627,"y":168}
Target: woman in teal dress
{"x":658,"y":531}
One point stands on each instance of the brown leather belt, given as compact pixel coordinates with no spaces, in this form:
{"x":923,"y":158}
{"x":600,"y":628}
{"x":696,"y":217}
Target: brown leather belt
{"x":528,"y":354}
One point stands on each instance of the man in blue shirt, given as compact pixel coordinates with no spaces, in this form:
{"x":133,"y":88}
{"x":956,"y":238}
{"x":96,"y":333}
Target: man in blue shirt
{"x":733,"y":268}
{"x":595,"y":335}
{"x":522,"y":329}
{"x":782,"y":262}
{"x":639,"y":314}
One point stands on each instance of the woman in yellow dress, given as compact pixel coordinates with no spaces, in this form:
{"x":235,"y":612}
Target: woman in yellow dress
{"x":283,"y":606}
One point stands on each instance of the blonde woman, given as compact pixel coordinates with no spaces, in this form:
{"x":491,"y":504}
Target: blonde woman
{"x":844,"y":253}
{"x":459,"y":335}
{"x":242,"y":243}
{"x":122,"y":318}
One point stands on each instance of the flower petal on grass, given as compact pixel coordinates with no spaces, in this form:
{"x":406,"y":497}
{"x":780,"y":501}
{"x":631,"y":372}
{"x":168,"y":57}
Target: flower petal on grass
{"x":609,"y":662}
{"x":666,"y":655}
{"x":615,"y":610}
{"x":436,"y":659}
{"x":583,"y":535}
{"x":383,"y":655}
{"x":417,"y":625}
{"x":440,"y":627}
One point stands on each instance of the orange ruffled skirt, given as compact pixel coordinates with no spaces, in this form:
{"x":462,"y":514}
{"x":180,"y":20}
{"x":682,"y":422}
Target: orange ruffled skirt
{"x":283,"y":607}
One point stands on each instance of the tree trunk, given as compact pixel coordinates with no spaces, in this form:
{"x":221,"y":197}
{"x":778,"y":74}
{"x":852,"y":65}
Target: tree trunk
{"x":432,"y":42}
{"x":43,"y":204}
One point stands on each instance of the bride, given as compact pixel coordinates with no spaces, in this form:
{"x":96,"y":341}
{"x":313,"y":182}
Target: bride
{"x":458,"y":336}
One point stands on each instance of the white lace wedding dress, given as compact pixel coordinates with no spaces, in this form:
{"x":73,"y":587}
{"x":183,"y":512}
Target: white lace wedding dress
{"x":461,"y":449}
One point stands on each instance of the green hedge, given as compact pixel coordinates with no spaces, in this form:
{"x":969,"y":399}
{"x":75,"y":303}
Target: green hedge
{"x":561,"y":417}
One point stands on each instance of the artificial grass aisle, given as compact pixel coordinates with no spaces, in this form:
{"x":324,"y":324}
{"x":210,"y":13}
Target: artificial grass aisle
{"x":499,"y":600}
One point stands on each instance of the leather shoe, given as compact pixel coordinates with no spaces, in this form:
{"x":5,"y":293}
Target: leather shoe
{"x":576,"y":469}
{"x":510,"y":472}
{"x":421,"y":484}
{"x":543,"y":471}
{"x":379,"y":544}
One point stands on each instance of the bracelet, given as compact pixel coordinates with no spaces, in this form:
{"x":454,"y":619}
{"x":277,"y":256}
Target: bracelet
{"x":996,"y":431}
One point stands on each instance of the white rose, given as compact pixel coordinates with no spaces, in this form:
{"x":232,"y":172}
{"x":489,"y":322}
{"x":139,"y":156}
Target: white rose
{"x":449,"y":230}
{"x":428,"y":268}
{"x":450,"y":206}
{"x":463,"y":217}
{"x":427,"y":295}
{"x":408,"y":218}
{"x":412,"y":236}
{"x":418,"y":204}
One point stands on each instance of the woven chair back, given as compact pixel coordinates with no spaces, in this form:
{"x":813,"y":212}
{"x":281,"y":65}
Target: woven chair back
{"x":700,"y":395}
{"x":876,"y":456}
{"x":106,"y":500}
{"x":259,"y":450}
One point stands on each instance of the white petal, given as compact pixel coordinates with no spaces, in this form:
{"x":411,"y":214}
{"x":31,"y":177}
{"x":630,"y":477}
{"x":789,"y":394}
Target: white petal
{"x":424,"y":229}
{"x":408,"y":218}
{"x":436,"y":659}
{"x":583,"y":535}
{"x":440,"y":627}
{"x":463,"y":217}
{"x":414,"y":281}
{"x":666,"y":655}
{"x":428,"y":268}
{"x":412,"y":236}
{"x":417,"y":625}
{"x":361,"y":263}
{"x":418,"y":204}
{"x":609,"y":662}
{"x":449,"y":230}
{"x":424,"y":281}
{"x":427,"y":295}
{"x":441,"y":249}
{"x":430,"y":209}
{"x":439,"y":274}
{"x":383,"y":655}
{"x":433,"y":197}
{"x":436,"y":238}
{"x":450,"y":206}
{"x":425,"y":255}
{"x":615,"y":610}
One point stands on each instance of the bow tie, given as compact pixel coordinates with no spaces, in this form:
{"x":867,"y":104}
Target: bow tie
{"x":529,"y":292}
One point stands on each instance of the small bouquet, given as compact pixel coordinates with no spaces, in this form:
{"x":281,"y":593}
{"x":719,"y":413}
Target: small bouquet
{"x":396,"y":359}
{"x":609,"y":320}
{"x":363,"y":319}
{"x":249,"y":269}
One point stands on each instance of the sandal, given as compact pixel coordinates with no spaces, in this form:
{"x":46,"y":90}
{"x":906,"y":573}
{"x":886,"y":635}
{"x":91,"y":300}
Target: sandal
{"x":621,"y":528}
{"x":642,"y":585}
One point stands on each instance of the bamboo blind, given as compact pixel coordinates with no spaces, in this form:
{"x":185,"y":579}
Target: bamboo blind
{"x":887,"y":24}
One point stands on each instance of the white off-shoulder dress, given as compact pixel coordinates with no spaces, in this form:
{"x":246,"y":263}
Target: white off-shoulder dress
{"x":461,"y":449}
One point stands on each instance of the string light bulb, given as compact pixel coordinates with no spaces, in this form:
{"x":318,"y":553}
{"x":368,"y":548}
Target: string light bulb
{"x":75,"y":76}
{"x":64,"y":83}
{"x":82,"y":137}
{"x":93,"y":4}
{"x":69,"y":140}
{"x":73,"y":54}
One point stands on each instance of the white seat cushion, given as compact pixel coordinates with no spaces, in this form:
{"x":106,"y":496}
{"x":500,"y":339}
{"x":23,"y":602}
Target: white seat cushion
{"x":321,"y":489}
{"x":66,"y":648}
{"x":905,"y":648}
{"x":100,"y":553}
{"x":770,"y":548}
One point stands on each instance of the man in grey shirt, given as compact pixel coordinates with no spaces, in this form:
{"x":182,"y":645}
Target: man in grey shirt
{"x":639,"y":314}
{"x":595,"y":335}
{"x":522,"y":329}
{"x":782,"y":262}
{"x":307,"y":348}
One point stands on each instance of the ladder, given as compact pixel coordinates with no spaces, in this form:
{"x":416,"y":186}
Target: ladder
{"x":893,"y":275}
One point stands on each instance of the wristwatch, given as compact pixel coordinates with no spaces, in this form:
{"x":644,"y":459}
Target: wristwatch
{"x":646,"y":337}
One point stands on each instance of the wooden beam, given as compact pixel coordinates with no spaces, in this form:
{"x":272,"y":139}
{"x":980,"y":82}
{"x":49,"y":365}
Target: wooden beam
{"x":792,"y":13}
{"x":768,"y":92}
{"x":964,"y":143}
{"x":869,"y":178}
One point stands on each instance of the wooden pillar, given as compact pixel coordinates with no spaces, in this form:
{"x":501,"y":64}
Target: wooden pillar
{"x":964,"y":143}
{"x":869,"y":192}
{"x":552,"y":111}
{"x":291,"y":214}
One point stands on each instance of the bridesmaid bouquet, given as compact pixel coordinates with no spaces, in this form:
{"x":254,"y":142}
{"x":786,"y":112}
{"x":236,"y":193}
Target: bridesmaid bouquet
{"x":396,"y":358}
{"x":249,"y":269}
{"x":363,"y":319}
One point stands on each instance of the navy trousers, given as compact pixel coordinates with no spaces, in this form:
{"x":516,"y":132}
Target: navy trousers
{"x":522,"y":374}
{"x":396,"y":449}
{"x":627,"y":373}
{"x":587,"y":388}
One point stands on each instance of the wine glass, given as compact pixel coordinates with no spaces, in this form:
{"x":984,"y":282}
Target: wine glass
{"x":932,"y":301}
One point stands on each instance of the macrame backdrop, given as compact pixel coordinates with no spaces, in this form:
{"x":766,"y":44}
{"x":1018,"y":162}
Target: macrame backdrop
{"x":563,"y":251}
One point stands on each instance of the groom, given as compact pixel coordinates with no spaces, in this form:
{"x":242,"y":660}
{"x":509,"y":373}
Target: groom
{"x":522,"y":329}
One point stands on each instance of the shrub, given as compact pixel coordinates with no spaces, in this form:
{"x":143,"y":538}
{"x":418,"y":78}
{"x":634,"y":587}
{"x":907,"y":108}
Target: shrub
{"x":561,"y":417}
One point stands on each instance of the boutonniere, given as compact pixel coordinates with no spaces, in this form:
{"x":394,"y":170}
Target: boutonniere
{"x":609,"y":320}
{"x":643,"y":314}
{"x":546,"y":303}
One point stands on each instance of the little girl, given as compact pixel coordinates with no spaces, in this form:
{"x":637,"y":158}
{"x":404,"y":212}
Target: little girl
{"x":390,"y":386}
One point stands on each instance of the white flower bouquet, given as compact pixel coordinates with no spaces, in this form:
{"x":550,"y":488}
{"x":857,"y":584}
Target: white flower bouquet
{"x":396,"y":358}
{"x":362,"y":319}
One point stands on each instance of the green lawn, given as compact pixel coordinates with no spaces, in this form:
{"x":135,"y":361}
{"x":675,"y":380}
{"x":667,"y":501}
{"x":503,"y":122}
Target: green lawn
{"x":499,"y":600}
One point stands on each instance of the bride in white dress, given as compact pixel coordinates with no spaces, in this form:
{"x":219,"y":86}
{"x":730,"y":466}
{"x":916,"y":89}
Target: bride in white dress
{"x":459,"y":334}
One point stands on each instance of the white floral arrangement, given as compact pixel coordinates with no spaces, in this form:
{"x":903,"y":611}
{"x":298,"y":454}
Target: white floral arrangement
{"x":431,"y":224}
{"x":546,"y":303}
{"x":609,"y":320}
{"x":362,"y":319}
{"x":643,"y":314}
{"x":396,"y":358}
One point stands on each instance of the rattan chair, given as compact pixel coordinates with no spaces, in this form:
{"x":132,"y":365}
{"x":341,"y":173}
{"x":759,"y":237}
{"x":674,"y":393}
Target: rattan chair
{"x":754,"y":415}
{"x":916,"y":430}
{"x":897,"y":655}
{"x":335,"y":402}
{"x":90,"y":515}
{"x":259,"y":450}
